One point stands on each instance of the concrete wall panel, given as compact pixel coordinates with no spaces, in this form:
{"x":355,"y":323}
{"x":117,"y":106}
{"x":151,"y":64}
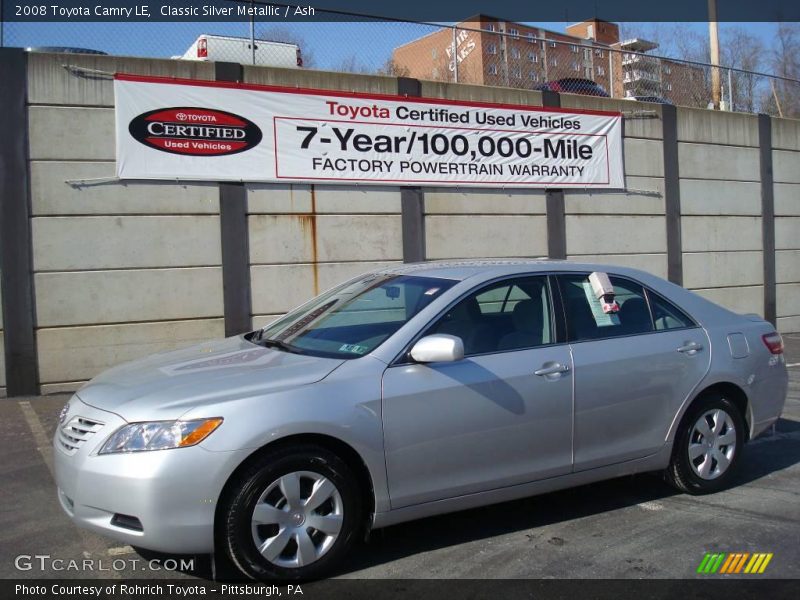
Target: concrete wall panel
{"x":75,"y":243}
{"x":787,"y":199}
{"x":717,"y":127}
{"x":280,"y":288}
{"x":443,"y":201}
{"x":788,"y":296}
{"x":786,"y":134}
{"x":788,"y":324}
{"x":741,"y":300}
{"x":643,"y":158}
{"x":50,"y":83}
{"x":708,"y":161}
{"x":700,"y":197}
{"x":622,"y":203}
{"x":491,"y":236}
{"x":787,"y":233}
{"x":63,"y":133}
{"x":787,"y":266}
{"x":702,"y":234}
{"x":97,"y":297}
{"x":786,"y":166}
{"x":722,"y":269}
{"x":52,"y":195}
{"x":590,"y":234}
{"x":79,"y":353}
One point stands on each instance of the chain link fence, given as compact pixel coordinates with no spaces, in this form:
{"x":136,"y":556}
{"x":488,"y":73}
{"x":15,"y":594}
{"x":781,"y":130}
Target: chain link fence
{"x":492,"y":53}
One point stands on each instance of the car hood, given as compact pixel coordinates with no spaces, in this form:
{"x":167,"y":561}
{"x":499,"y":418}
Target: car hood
{"x":167,"y":385}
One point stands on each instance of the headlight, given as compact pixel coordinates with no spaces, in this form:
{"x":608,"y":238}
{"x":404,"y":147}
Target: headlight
{"x":160,"y":435}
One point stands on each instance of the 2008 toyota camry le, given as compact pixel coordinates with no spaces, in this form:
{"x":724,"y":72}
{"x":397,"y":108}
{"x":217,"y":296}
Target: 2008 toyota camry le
{"x":413,"y":391}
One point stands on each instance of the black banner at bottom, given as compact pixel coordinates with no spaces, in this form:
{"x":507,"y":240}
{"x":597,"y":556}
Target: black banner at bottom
{"x":416,"y":589}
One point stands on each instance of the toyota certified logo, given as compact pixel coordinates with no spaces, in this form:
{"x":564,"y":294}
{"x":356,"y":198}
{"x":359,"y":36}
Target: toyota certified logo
{"x":195,"y":131}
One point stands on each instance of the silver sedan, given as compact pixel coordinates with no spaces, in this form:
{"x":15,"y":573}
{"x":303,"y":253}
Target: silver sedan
{"x":414,"y":391}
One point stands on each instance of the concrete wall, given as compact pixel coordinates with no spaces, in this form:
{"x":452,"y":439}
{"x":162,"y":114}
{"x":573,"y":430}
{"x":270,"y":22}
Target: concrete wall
{"x":721,"y":207}
{"x":122,"y":270}
{"x":786,"y":165}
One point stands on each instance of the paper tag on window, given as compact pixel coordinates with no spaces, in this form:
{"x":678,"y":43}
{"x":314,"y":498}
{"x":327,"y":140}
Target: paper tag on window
{"x":602,"y":318}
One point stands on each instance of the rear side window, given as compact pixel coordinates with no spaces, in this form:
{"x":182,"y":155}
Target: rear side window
{"x":666,"y":315}
{"x":586,"y":319}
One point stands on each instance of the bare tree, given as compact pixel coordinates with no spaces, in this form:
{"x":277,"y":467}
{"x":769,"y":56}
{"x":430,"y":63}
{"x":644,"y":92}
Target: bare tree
{"x":281,"y":33}
{"x":741,"y":50}
{"x":783,"y":98}
{"x":393,"y":69}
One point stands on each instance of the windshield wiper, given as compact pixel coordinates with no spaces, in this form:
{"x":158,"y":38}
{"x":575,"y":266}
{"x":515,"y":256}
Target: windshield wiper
{"x":280,"y":345}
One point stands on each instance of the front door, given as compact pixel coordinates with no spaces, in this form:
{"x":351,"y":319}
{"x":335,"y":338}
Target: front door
{"x":499,"y":417}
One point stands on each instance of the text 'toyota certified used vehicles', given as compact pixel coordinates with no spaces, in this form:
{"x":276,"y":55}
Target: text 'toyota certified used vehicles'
{"x":410,"y":392}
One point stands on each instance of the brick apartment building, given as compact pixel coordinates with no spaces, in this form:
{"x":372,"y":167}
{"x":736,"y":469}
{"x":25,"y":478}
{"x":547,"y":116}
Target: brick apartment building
{"x":491,"y":51}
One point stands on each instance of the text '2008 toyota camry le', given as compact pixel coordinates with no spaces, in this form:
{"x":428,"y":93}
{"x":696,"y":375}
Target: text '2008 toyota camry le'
{"x":414,"y":391}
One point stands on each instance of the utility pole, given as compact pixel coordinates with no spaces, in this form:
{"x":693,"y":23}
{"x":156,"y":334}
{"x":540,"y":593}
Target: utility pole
{"x":713,"y":32}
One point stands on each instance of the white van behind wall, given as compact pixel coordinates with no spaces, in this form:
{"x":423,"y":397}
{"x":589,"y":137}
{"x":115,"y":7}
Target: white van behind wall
{"x":238,"y":49}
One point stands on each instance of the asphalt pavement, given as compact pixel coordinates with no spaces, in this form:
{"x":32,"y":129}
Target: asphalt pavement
{"x":632,"y":527}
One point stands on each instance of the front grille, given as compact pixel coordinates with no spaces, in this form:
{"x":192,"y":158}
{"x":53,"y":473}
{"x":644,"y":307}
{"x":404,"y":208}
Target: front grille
{"x":73,"y":434}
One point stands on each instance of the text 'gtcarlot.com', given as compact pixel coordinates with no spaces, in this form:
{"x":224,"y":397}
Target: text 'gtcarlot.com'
{"x":45,"y":562}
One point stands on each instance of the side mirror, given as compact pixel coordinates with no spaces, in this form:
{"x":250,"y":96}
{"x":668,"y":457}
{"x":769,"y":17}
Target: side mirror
{"x":438,"y":348}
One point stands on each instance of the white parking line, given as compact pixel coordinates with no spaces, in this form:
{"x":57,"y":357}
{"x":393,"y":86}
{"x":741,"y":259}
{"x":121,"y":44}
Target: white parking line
{"x":793,"y":364}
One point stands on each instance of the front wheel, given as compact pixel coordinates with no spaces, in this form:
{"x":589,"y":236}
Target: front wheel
{"x":293,"y":514}
{"x":707,"y":447}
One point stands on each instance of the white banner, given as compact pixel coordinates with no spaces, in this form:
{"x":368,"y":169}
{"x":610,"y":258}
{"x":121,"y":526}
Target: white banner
{"x":199,"y":130}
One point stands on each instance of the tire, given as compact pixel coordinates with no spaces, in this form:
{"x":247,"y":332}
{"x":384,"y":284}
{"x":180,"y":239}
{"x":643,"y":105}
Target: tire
{"x":282,"y":483}
{"x":711,"y":434}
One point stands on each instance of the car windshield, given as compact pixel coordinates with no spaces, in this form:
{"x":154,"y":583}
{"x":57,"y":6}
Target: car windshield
{"x":355,"y":318}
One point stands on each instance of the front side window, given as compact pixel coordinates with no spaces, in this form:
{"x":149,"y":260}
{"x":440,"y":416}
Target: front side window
{"x":507,"y":315}
{"x":586,"y":319}
{"x":353,"y":319}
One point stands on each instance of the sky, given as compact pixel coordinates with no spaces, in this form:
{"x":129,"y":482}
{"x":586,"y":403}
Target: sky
{"x":365,"y":44}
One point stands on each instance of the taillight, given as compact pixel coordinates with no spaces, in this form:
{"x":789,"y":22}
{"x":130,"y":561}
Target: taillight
{"x":774,"y":342}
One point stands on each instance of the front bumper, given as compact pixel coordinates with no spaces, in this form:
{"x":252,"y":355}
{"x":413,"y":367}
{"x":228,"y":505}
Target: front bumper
{"x":172,"y":493}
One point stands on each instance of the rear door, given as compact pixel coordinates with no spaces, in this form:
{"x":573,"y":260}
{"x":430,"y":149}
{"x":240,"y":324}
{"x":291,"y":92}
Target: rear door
{"x":632,"y":370}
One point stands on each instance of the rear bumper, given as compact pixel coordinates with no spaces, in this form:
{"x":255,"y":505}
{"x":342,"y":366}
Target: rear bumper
{"x":172,"y":493}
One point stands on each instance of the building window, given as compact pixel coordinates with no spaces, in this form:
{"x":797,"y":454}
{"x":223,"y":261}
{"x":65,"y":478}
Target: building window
{"x":491,"y":49}
{"x":575,"y":66}
{"x":515,"y":53}
{"x":530,"y":38}
{"x":434,"y":53}
{"x":598,"y":52}
{"x":514,"y":32}
{"x":533,"y":57}
{"x":534,"y":76}
{"x":669,"y":87}
{"x":574,"y":48}
{"x":667,"y":70}
{"x":554,"y":62}
{"x":435,"y":73}
{"x":601,"y":71}
{"x":492,"y":70}
{"x":516,"y":72}
{"x":488,"y":27}
{"x":552,"y":44}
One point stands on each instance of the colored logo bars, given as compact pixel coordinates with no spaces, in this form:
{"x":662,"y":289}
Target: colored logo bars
{"x":734,"y":563}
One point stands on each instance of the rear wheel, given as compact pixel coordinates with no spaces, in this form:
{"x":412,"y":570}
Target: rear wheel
{"x":707,"y":447}
{"x":292,"y":515}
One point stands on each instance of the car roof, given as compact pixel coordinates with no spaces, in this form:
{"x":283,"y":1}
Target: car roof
{"x":488,"y":267}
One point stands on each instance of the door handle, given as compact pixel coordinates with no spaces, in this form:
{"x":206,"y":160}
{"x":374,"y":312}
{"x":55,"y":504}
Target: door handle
{"x":691,"y":348}
{"x":552,"y":370}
